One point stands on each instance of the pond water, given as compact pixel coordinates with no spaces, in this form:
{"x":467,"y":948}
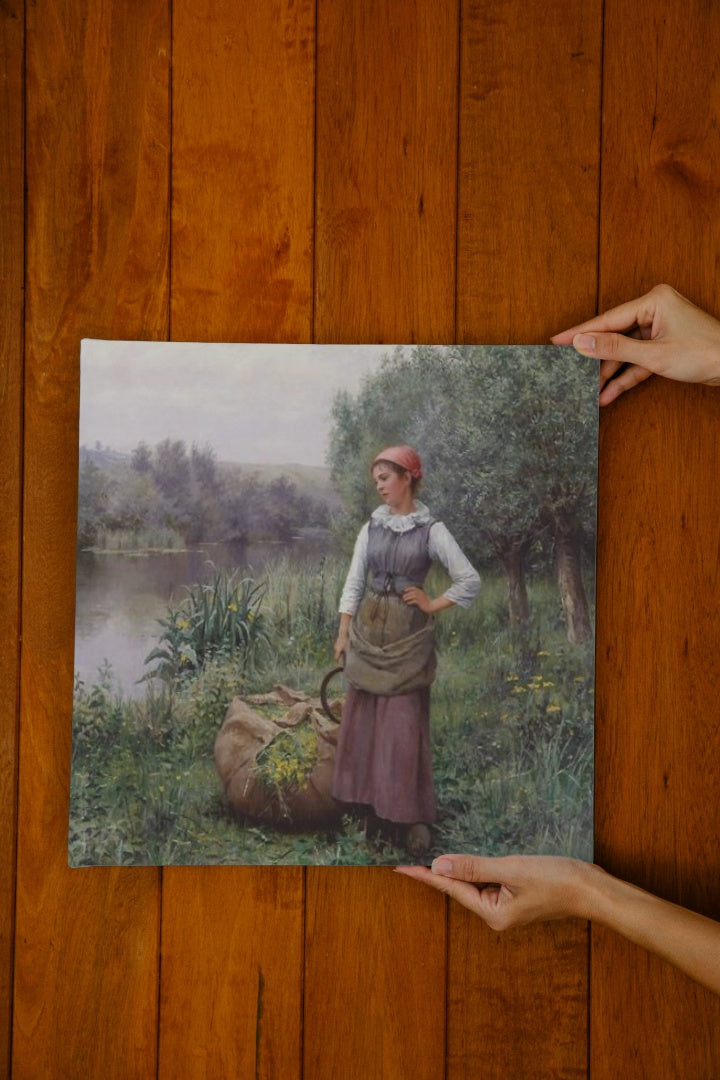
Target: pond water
{"x":120,"y":597}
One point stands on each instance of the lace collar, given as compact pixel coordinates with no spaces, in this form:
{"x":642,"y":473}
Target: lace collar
{"x":401,"y":523}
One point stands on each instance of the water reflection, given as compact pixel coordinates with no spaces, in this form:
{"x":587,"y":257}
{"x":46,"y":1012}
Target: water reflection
{"x":120,"y":597}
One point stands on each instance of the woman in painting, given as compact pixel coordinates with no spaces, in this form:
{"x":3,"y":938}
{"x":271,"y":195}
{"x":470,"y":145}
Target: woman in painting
{"x":386,"y":635}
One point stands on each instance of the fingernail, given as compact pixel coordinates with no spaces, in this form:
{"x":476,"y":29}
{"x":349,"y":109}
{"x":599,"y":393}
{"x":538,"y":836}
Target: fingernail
{"x":441,"y":866}
{"x":585,"y":341}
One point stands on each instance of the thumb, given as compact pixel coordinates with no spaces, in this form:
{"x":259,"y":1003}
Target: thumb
{"x":620,"y":349}
{"x":465,"y":868}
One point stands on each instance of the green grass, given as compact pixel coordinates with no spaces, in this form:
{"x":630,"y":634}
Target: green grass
{"x":511,"y":728}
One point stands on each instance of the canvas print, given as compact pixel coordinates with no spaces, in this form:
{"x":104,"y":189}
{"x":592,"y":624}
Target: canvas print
{"x":334,"y":604}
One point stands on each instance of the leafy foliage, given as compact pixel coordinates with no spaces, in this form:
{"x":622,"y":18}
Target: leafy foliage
{"x":511,"y":729}
{"x":288,"y":760}
{"x":188,"y":493}
{"x":221,"y":617}
{"x":508,"y":442}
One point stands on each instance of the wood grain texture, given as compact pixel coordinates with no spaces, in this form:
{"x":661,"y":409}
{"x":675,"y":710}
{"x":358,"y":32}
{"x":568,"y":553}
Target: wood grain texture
{"x":529,"y":161}
{"x":517,"y":1001}
{"x":527,"y":256}
{"x":375,"y":977}
{"x":12,"y":225}
{"x":657,"y":747}
{"x":243,"y":107}
{"x":380,"y":963}
{"x":97,"y":234}
{"x":386,"y":171}
{"x":657,"y":788}
{"x":243,"y":140}
{"x":231,"y":997}
{"x":384,"y":271}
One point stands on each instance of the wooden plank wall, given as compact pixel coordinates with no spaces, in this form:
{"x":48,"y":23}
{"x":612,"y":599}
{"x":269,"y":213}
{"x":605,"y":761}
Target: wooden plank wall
{"x":375,"y":170}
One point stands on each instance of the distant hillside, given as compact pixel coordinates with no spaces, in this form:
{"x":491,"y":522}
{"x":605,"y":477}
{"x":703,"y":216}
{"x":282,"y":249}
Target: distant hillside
{"x":313,"y":480}
{"x":154,"y":490}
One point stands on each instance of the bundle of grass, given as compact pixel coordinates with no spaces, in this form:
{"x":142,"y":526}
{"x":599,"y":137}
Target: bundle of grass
{"x":275,"y":755}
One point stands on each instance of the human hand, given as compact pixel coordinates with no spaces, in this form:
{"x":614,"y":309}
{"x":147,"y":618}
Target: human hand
{"x":340,"y":647}
{"x":514,"y":890}
{"x":660,"y":333}
{"x":418,"y":598}
{"x":522,"y":889}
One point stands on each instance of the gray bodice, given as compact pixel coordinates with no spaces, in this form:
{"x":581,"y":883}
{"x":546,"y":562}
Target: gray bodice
{"x":397,"y":560}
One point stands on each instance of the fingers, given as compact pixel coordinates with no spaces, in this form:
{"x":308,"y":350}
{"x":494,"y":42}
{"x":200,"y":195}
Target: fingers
{"x":630,"y":377}
{"x":475,"y":868}
{"x":620,"y":349}
{"x":639,"y":312}
{"x":466,"y":894}
{"x":415,"y":597}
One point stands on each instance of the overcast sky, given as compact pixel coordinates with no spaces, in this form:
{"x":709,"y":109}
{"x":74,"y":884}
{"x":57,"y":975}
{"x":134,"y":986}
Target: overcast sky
{"x":259,"y":404}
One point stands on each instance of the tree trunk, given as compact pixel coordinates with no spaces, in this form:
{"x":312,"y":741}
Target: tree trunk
{"x":514,"y":565}
{"x":569,"y":578}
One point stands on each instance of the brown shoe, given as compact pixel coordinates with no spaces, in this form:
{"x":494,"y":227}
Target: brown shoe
{"x":418,"y":839}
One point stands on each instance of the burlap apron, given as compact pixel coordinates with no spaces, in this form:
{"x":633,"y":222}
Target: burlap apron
{"x":391,"y":647}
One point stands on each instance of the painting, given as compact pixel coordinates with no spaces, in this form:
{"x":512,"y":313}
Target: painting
{"x":334,"y":603}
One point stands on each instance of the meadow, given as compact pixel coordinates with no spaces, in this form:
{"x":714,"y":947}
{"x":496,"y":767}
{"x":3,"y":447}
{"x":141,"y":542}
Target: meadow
{"x":512,"y":729}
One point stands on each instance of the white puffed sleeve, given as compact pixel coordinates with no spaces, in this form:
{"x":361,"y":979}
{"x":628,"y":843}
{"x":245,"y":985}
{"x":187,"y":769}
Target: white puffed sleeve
{"x":465,"y":578}
{"x":357,"y":574}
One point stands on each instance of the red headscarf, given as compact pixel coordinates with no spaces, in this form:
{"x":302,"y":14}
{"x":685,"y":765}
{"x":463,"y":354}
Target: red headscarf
{"x":404,"y":456}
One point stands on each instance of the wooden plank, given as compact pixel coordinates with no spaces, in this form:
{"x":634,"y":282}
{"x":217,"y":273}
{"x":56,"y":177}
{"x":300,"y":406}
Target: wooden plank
{"x":515,"y":995}
{"x":527,"y":242}
{"x":529,"y":158}
{"x":375,"y":976}
{"x":12,"y":20}
{"x":231,"y":995}
{"x":385,"y":269}
{"x":97,"y":243}
{"x":243,"y":85}
{"x":658,"y":756}
{"x":386,"y":161}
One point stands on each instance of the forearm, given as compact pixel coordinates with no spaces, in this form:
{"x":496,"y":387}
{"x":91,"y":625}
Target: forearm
{"x":689,"y":941}
{"x":440,"y":603}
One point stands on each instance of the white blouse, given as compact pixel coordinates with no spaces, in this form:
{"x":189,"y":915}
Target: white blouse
{"x":441,"y":546}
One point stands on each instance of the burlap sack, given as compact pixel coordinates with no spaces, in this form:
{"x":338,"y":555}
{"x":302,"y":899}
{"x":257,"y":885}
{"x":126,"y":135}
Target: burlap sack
{"x":391,"y":647}
{"x":246,"y":732}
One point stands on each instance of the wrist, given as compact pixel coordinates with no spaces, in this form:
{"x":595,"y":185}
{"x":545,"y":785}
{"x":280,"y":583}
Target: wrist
{"x":588,"y":896}
{"x":606,"y":899}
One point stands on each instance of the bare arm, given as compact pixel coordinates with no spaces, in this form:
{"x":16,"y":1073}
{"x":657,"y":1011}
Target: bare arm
{"x":341,"y":641}
{"x":522,"y":889}
{"x":660,"y":333}
{"x":417,"y":597}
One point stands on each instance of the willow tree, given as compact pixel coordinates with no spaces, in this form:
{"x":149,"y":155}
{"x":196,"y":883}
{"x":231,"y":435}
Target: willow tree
{"x":508,"y":437}
{"x":515,"y":433}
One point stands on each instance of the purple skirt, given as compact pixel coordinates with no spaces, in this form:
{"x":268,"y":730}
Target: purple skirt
{"x":383,"y":757}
